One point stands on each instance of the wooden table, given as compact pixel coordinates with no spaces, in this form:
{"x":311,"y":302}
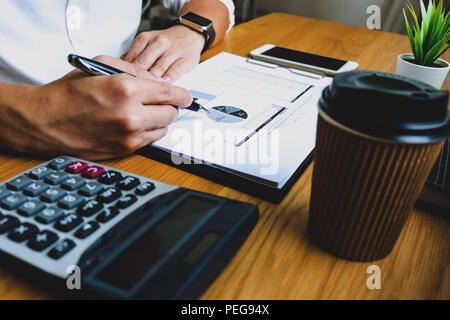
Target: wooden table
{"x":278,"y":261}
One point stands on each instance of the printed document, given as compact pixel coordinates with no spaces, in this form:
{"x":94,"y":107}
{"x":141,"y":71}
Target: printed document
{"x":258,"y":121}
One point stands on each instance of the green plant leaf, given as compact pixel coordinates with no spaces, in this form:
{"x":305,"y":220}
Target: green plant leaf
{"x":430,"y":56}
{"x":428,"y":38}
{"x":408,"y":29}
{"x":443,"y":51}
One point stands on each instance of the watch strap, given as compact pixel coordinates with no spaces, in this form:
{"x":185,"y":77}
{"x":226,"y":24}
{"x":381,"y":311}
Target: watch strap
{"x":210,"y":36}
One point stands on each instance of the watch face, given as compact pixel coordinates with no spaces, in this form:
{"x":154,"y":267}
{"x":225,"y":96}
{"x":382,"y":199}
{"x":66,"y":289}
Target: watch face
{"x":195,"y":18}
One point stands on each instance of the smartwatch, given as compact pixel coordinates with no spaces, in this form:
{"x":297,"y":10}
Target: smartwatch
{"x":200,"y":24}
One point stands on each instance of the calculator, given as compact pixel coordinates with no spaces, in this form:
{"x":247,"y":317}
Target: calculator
{"x":130,"y":236}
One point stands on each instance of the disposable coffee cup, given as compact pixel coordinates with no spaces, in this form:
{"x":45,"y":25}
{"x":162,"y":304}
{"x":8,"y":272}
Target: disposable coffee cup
{"x":378,"y":137}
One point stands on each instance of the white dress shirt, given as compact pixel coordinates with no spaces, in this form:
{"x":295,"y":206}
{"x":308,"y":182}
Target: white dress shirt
{"x":37,"y":35}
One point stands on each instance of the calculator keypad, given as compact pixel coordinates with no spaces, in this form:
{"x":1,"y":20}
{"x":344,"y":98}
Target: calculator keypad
{"x":91,"y":189}
{"x":42,"y":240}
{"x":61,"y":248}
{"x":7,"y":223}
{"x":22,"y":232}
{"x":4,"y":192}
{"x":55,"y":178}
{"x":13,"y":201}
{"x":30,"y":208}
{"x":110,"y":177}
{"x":53,"y":207}
{"x":68,"y":222}
{"x":36,"y":188}
{"x":49,"y":214}
{"x":19,"y":183}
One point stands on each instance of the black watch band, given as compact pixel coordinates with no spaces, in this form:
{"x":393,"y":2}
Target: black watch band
{"x":206,"y":28}
{"x":210,"y":36}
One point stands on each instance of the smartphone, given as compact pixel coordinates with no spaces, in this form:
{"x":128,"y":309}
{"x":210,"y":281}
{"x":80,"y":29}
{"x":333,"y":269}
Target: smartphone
{"x":302,"y":60}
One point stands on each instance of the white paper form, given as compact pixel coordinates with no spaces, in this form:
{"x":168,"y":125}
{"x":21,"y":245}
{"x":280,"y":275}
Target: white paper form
{"x":261,"y":123}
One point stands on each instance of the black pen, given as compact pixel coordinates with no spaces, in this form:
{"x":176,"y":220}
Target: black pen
{"x":92,"y":67}
{"x":95,"y":68}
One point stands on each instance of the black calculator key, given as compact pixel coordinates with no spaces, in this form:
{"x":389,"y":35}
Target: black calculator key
{"x":126,"y":201}
{"x":53,"y":194}
{"x":56,"y":178}
{"x":68,"y":222}
{"x":19,"y":183}
{"x":13,"y":201}
{"x":61,"y":248}
{"x":86,"y":230}
{"x":7,"y":223}
{"x":107,"y":214}
{"x":42,"y":240}
{"x":145,"y":188}
{"x":70,"y":201}
{"x":36,"y":188}
{"x":23,"y":232}
{"x":30,"y":208}
{"x":128,"y":183}
{"x":73,"y":183}
{"x":91,"y":189}
{"x":109,"y":195}
{"x":90,"y":208}
{"x":110,"y":177}
{"x":60,"y":163}
{"x":49,"y":214}
{"x":39,"y":173}
{"x":4,"y":192}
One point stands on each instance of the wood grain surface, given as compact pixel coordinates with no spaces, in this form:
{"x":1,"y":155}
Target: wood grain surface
{"x":278,"y":260}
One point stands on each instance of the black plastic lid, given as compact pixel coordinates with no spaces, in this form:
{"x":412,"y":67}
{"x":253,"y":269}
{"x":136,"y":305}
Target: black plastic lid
{"x":388,"y":106}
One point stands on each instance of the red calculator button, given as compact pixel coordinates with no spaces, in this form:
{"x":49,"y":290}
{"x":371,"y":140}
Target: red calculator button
{"x":76,"y":167}
{"x":93,"y":172}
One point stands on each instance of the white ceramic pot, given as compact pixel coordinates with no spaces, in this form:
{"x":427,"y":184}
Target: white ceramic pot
{"x":430,"y":75}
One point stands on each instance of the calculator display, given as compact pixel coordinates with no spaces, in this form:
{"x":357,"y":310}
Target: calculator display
{"x":142,"y":255}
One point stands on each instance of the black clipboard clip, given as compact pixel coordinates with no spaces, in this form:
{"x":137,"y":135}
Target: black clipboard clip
{"x":302,"y":72}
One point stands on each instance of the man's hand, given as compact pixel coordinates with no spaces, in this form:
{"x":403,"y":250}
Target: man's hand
{"x":90,"y":117}
{"x":167,"y":54}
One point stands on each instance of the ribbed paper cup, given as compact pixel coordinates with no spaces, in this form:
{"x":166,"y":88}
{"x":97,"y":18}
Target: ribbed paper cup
{"x":364,"y":188}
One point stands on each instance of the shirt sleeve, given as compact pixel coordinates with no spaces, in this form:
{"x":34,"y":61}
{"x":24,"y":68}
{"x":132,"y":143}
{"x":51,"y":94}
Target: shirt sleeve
{"x":175,"y":6}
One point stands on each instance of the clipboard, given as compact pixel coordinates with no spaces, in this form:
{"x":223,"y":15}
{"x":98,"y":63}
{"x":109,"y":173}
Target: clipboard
{"x":232,"y":178}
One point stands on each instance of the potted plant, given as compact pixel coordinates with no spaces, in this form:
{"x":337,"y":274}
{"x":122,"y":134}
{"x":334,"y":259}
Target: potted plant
{"x":429,"y":40}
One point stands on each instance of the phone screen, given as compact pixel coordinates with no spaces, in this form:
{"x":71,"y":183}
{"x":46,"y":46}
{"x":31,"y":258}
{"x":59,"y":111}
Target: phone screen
{"x":305,"y":58}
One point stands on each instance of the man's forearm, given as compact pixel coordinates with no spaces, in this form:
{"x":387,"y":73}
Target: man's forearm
{"x":13,"y":103}
{"x":214,"y":10}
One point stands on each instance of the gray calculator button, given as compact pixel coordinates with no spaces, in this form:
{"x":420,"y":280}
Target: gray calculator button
{"x":60,"y":163}
{"x":19,"y":183}
{"x":36,"y":188}
{"x":4,"y":193}
{"x":39,"y":173}
{"x":13,"y":201}
{"x":91,"y":189}
{"x":30,"y":208}
{"x":53,"y":194}
{"x":56,"y":178}
{"x":49,"y":214}
{"x":70,"y":201}
{"x":73,"y":183}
